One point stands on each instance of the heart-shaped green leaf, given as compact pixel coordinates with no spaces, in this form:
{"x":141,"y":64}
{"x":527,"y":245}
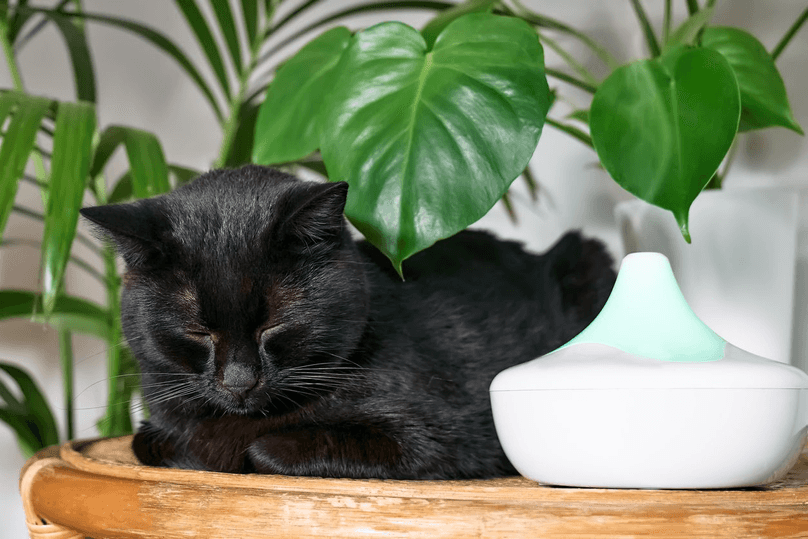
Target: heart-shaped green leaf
{"x":287,"y":127}
{"x":430,"y":141}
{"x":661,"y":127}
{"x":763,"y":95}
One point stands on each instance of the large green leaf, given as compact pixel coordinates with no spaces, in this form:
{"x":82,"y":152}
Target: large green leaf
{"x":74,"y":314}
{"x":70,"y":166}
{"x":288,"y":120}
{"x":661,"y":127}
{"x":763,"y":95}
{"x":27,"y":113}
{"x":429,"y":141}
{"x":31,"y":419}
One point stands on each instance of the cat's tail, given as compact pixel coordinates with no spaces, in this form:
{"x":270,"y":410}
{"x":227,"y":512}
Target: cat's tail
{"x":585,"y":274}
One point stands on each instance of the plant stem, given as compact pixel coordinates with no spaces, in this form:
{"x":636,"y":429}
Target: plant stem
{"x":232,"y":124}
{"x":571,"y":62}
{"x":692,"y":6}
{"x":650,"y":38}
{"x":571,"y":131}
{"x":666,"y":21}
{"x":11,"y":61}
{"x":790,"y":34}
{"x":66,"y":353}
{"x":552,"y":24}
{"x":560,"y":75}
{"x":117,"y":416}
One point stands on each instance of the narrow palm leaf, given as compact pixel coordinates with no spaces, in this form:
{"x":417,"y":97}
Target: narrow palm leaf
{"x":18,"y":20}
{"x":224,"y":15}
{"x":355,"y":10}
{"x":72,"y":153}
{"x":149,"y":172}
{"x":72,"y":313}
{"x":17,"y":143}
{"x":205,"y":38}
{"x":35,"y":404}
{"x":249,"y":10}
{"x":147,"y":163}
{"x":158,"y":40}
{"x":76,"y":41}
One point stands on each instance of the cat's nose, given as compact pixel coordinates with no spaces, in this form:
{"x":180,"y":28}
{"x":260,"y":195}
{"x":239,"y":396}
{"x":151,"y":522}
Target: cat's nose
{"x":239,"y":378}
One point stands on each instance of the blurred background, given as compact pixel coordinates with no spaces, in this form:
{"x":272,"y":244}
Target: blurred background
{"x":140,"y":86}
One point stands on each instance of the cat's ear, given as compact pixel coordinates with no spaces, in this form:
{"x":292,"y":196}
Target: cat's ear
{"x":136,"y":229}
{"x":316,"y":213}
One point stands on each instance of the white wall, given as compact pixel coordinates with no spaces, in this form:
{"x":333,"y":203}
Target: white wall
{"x":139,"y":86}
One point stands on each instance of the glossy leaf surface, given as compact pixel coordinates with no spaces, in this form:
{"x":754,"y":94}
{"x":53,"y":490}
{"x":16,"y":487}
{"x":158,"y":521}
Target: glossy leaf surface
{"x":288,"y":125}
{"x":661,"y":127}
{"x":763,"y":94}
{"x":429,"y":141}
{"x":70,"y":166}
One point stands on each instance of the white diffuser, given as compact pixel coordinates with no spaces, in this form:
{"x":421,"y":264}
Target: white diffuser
{"x":647,"y":396}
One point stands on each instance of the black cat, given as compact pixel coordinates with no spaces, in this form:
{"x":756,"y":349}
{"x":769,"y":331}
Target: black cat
{"x":269,"y":341}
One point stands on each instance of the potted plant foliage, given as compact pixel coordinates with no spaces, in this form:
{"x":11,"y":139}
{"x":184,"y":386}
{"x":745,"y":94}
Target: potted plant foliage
{"x":666,"y":129}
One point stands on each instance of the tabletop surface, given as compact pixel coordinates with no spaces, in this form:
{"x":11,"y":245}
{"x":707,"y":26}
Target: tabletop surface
{"x":98,"y":488}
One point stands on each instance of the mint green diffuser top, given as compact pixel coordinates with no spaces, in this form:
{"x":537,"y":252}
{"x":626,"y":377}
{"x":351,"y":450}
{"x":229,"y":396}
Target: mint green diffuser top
{"x":647,"y":315}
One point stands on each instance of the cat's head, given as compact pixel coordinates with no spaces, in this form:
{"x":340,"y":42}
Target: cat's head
{"x":234,"y":284}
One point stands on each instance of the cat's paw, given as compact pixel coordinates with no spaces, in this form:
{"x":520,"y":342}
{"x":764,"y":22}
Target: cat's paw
{"x":348,"y":451}
{"x":283,"y":453}
{"x":153,"y":448}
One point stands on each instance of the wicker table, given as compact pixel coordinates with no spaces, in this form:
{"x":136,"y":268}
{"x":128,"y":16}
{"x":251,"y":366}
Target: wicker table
{"x":97,"y":488}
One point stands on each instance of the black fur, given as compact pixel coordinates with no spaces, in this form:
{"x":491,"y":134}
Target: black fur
{"x":269,"y":341}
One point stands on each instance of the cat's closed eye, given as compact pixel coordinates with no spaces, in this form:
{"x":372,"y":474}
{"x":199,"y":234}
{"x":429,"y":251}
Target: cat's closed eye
{"x":201,"y":335}
{"x":267,"y":332}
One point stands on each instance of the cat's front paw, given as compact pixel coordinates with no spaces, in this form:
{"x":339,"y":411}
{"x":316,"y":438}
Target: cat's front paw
{"x":283,"y":453}
{"x":353,"y":451}
{"x":152,"y":448}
